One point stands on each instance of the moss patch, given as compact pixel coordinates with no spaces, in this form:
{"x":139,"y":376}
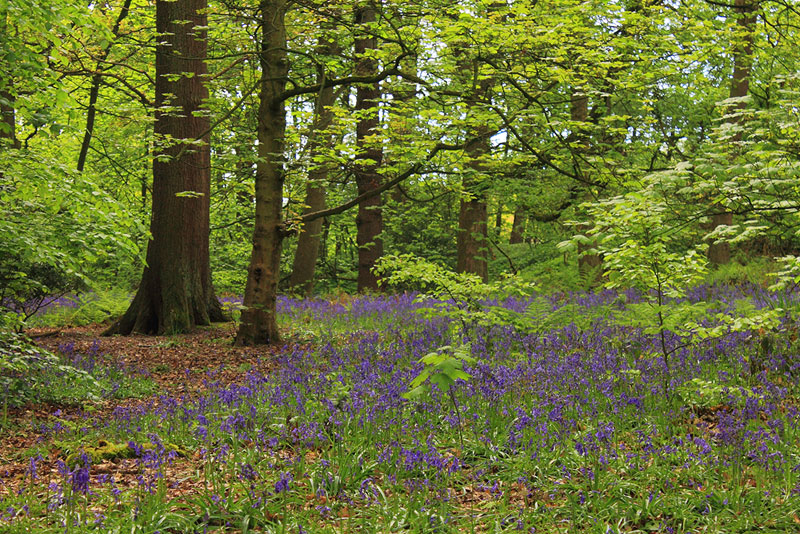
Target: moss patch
{"x":106,"y":450}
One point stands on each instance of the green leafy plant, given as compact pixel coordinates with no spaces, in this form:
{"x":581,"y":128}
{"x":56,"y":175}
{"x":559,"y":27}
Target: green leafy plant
{"x":91,"y":307}
{"x":442,"y":367}
{"x":459,"y":296}
{"x":642,"y":249}
{"x":700,"y":393}
{"x":27,"y":370}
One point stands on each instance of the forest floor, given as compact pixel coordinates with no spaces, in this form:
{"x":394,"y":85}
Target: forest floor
{"x":568,"y":422}
{"x":171,"y":362}
{"x":166,"y":358}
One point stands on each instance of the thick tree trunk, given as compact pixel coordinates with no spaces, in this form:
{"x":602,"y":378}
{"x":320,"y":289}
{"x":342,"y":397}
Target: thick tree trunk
{"x":308,"y":241}
{"x":720,"y":253}
{"x":175,"y":293}
{"x":472,"y":238}
{"x":518,"y":226}
{"x":258,"y":322}
{"x":369,"y":220}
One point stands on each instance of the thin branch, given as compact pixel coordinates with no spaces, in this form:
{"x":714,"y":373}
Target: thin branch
{"x":414,"y":169}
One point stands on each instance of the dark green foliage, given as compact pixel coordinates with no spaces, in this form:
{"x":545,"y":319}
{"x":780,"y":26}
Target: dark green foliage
{"x":26,"y":287}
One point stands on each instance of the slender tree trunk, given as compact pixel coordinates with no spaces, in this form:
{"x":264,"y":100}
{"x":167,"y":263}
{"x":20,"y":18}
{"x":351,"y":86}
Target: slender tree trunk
{"x":94,"y":91}
{"x":175,"y":293}
{"x":369,"y":220}
{"x":8,"y":127}
{"x":401,"y":118}
{"x":588,"y":264}
{"x":258,"y":322}
{"x":720,"y":253}
{"x":304,"y":265}
{"x":518,"y":226}
{"x":308,"y":241}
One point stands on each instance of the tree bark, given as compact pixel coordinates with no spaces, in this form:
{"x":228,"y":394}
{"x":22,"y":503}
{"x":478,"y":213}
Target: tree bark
{"x":369,"y":220}
{"x":400,"y":118}
{"x":258,"y":321}
{"x":588,"y":264}
{"x":518,"y":226}
{"x":8,"y":127}
{"x":308,"y":240}
{"x":8,"y":130}
{"x":720,"y":253}
{"x":472,"y":238}
{"x":175,"y":293}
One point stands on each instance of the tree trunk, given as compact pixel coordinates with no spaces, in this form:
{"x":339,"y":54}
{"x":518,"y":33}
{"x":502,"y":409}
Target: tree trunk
{"x":720,"y":253}
{"x":400,"y":118}
{"x":8,"y":127}
{"x":175,"y":293}
{"x":308,"y":241}
{"x":518,"y":226}
{"x":588,"y":264}
{"x":258,"y":321}
{"x":369,"y":220}
{"x":472,"y":239}
{"x":304,"y":266}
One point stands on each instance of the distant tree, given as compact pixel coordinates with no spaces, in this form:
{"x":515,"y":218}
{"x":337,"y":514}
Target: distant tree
{"x":258,"y":321}
{"x":518,"y":226}
{"x":745,"y":14}
{"x":94,"y":91}
{"x":175,"y":293}
{"x":472,"y":238}
{"x":304,"y":265}
{"x":588,"y":263}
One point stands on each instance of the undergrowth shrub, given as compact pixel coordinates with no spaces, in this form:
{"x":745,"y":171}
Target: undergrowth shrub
{"x":29,"y":373}
{"x":87,"y":308}
{"x":32,"y":374}
{"x":27,"y":288}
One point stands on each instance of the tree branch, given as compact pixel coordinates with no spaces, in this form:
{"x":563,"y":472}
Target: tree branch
{"x":414,"y":169}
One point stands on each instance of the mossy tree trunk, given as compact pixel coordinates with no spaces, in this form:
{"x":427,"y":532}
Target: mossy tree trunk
{"x":472,"y":239}
{"x":258,"y":323}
